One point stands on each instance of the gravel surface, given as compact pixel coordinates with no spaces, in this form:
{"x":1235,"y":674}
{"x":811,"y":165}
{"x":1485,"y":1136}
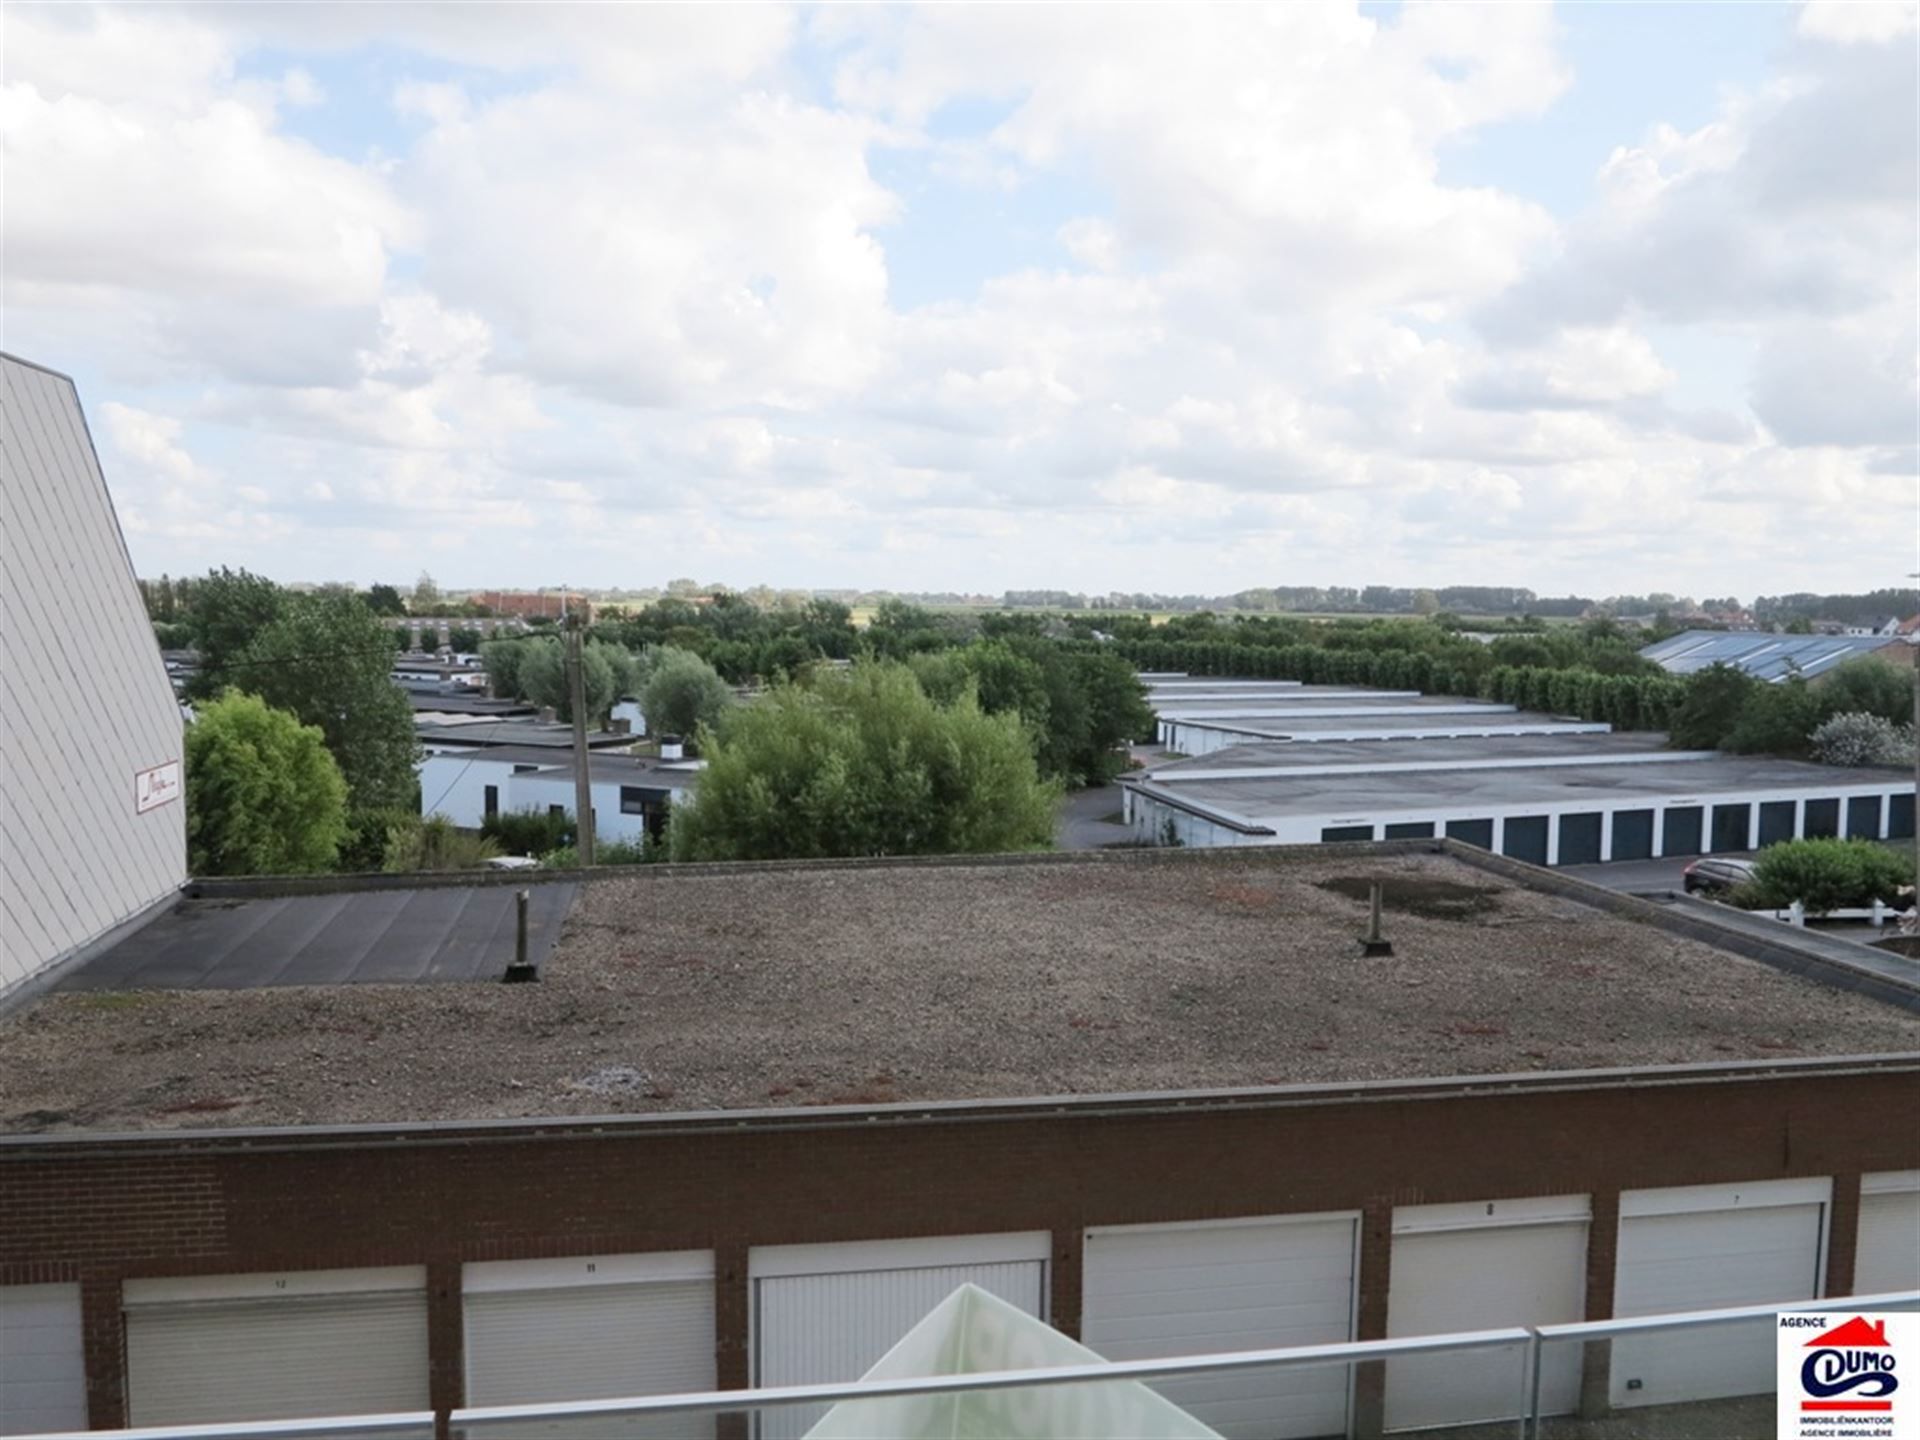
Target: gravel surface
{"x":674,"y":991}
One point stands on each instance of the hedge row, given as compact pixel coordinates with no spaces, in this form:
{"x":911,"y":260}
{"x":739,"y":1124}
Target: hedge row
{"x":1626,"y":702}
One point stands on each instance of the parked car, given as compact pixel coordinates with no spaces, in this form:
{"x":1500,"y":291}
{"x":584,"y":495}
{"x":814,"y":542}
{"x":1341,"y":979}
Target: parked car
{"x":1712,"y":875}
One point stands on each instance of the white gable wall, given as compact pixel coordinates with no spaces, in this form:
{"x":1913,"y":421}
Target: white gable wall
{"x":85,"y":703}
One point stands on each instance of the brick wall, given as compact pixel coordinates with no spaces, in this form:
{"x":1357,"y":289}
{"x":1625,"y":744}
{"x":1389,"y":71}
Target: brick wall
{"x":105,"y":1211}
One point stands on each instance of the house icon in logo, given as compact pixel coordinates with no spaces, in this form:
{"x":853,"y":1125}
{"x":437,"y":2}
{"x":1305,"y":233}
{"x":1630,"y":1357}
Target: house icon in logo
{"x":1857,"y":1333}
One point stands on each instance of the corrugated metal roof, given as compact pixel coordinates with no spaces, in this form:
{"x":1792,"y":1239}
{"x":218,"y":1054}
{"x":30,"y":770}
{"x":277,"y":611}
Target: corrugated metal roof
{"x":1766,"y":657}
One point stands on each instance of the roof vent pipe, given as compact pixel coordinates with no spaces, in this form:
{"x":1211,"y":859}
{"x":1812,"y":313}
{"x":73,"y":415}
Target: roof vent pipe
{"x":1374,"y":944}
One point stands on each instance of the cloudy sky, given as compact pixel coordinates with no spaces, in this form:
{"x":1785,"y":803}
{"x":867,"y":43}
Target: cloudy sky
{"x":1604,"y":298}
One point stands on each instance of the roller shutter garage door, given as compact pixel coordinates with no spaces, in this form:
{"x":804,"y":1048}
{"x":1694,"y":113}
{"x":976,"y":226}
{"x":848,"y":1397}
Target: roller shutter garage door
{"x":43,"y":1374}
{"x":276,"y":1347}
{"x":825,"y":1313}
{"x":1708,"y":1248}
{"x":1484,"y":1266}
{"x":1887,"y":1256}
{"x":1150,"y":1291}
{"x":592,"y":1328}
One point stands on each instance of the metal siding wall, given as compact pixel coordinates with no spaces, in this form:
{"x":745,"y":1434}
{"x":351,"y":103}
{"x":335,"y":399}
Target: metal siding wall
{"x":1887,"y":1256}
{"x":43,"y":1378}
{"x":816,"y":1329}
{"x":276,"y":1359}
{"x":594,"y":1343}
{"x":1195,"y":1290}
{"x":1709,"y":1260}
{"x":86,"y":703}
{"x":1482,"y":1279}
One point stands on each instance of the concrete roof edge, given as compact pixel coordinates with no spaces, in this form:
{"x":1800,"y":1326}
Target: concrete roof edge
{"x":1118,"y":1105}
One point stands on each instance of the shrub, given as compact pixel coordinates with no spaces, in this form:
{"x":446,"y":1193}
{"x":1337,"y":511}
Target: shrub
{"x":607,"y":852}
{"x":364,"y":849}
{"x":528,"y":832}
{"x":1861,"y":739}
{"x":435,"y":844}
{"x":1827,"y":874}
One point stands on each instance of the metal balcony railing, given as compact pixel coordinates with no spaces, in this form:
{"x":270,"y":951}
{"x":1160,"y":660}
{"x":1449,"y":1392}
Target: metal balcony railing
{"x":782,"y":1409}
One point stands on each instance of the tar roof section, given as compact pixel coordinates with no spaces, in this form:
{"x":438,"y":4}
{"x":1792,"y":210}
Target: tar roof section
{"x":756,"y":987}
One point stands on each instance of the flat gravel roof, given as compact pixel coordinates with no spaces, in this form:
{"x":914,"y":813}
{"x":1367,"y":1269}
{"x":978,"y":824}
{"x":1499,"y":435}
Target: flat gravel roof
{"x":741,"y":987}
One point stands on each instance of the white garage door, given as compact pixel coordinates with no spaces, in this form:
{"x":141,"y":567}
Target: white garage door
{"x":1151,"y":1291}
{"x":1483,"y":1266}
{"x":592,"y":1328}
{"x":275,"y":1347}
{"x":43,"y":1370}
{"x":1887,"y":1256}
{"x":826,"y":1313}
{"x":1711,"y":1247}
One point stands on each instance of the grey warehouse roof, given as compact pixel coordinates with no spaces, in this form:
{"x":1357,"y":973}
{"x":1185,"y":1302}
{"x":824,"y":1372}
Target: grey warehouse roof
{"x":673,"y":774}
{"x":1463,"y":791}
{"x":1519,"y":750}
{"x":1766,"y":657}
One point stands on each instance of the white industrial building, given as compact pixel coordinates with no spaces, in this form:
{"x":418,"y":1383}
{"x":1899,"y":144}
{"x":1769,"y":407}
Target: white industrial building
{"x":1198,"y":716}
{"x":92,"y":791}
{"x":1540,"y":789}
{"x":632,"y":795}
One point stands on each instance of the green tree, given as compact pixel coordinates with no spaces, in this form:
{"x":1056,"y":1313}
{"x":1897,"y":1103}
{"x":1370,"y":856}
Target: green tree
{"x":1712,"y":706}
{"x":1117,"y":714}
{"x":464,"y":640}
{"x":225,"y":612}
{"x":543,"y":679}
{"x":863,"y":763}
{"x":504,"y":661}
{"x":682,"y":694}
{"x":1868,"y":686}
{"x":426,"y":596}
{"x":1778,"y":719}
{"x":263,"y":795}
{"x":385,"y":600}
{"x":327,"y":661}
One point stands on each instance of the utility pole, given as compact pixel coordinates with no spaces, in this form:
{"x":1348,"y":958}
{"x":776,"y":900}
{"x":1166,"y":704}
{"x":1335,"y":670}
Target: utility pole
{"x":582,"y":777}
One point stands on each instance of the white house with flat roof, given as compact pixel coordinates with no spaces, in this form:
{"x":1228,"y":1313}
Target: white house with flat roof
{"x":633,"y":795}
